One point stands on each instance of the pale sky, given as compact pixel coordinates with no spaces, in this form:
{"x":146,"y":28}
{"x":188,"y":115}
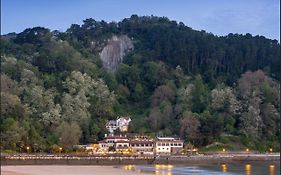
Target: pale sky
{"x":220,"y":17}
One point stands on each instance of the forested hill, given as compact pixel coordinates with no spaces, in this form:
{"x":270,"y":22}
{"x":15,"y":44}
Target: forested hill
{"x":171,"y":79}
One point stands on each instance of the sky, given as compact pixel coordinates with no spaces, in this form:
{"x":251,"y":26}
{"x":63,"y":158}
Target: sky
{"x":220,"y":17}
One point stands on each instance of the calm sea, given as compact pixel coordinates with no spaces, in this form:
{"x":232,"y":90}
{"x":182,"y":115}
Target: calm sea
{"x":253,"y":168}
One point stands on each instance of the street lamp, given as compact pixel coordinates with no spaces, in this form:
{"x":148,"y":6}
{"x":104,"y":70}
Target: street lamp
{"x":27,"y":148}
{"x":271,"y":150}
{"x":60,"y":149}
{"x":247,"y":150}
{"x":223,"y":150}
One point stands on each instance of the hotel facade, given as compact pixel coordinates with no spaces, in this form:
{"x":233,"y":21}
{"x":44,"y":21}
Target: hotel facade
{"x":158,"y":146}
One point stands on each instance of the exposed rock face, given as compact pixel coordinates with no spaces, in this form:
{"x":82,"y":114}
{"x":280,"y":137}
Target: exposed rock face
{"x":113,"y":53}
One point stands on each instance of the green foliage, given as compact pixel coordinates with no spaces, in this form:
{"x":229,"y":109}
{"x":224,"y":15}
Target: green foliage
{"x":200,"y":95}
{"x":176,"y":82}
{"x":215,"y":147}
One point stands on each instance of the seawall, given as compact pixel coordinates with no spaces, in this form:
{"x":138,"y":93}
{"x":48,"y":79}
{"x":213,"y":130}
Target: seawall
{"x":124,"y":160}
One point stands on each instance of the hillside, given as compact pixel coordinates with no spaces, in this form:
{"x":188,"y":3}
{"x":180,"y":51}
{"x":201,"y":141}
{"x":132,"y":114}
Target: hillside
{"x":60,"y":88}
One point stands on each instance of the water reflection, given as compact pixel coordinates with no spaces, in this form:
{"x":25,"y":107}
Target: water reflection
{"x":271,"y":169}
{"x":248,"y":169}
{"x":163,"y":169}
{"x":207,"y":169}
{"x":224,"y":167}
{"x":129,"y":167}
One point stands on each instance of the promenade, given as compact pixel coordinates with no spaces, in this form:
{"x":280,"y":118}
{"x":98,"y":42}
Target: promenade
{"x":47,"y":159}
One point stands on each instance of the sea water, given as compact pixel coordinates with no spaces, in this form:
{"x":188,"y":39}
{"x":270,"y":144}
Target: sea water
{"x":252,"y":168}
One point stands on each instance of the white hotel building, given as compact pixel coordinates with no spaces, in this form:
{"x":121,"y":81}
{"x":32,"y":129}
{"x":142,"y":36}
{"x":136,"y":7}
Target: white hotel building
{"x":167,"y":145}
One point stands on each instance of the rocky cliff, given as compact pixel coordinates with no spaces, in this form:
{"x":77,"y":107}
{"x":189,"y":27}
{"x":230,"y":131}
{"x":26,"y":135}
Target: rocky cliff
{"x":112,"y":54}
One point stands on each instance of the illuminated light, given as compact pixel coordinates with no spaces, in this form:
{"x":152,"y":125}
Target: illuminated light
{"x":270,"y":150}
{"x":223,"y":149}
{"x":170,"y":166}
{"x":248,"y":168}
{"x":247,"y":150}
{"x":128,"y":167}
{"x":157,"y":166}
{"x":271,"y":169}
{"x":194,"y":149}
{"x":224,"y":167}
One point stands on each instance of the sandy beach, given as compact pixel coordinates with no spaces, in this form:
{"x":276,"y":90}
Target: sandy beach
{"x":65,"y":170}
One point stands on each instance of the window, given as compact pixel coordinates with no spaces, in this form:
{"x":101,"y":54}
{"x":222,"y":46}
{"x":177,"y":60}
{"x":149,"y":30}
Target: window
{"x":167,"y":148}
{"x":180,"y":144}
{"x":158,"y":148}
{"x":163,"y":144}
{"x":158,"y":144}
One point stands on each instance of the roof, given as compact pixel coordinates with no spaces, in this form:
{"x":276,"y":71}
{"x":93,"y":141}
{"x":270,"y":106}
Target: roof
{"x":178,"y":141}
{"x":102,"y":141}
{"x":115,"y":137}
{"x":111,"y":122}
{"x":165,"y":138}
{"x":141,"y":142}
{"x":125,"y":118}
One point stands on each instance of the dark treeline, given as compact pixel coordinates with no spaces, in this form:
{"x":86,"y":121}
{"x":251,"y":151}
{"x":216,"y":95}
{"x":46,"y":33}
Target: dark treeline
{"x":176,"y":82}
{"x":195,"y":51}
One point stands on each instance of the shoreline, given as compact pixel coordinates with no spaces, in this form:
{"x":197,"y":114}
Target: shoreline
{"x":125,"y":160}
{"x":65,"y":170}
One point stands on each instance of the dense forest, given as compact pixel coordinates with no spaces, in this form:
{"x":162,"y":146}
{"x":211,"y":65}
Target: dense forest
{"x":176,"y":81}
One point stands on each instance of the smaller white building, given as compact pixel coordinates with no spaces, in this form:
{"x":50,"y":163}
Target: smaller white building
{"x":121,"y":123}
{"x":111,"y":126}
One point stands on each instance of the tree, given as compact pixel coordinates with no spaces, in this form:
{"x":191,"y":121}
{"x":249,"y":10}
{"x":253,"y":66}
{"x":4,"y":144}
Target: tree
{"x":11,"y":133}
{"x":68,"y":134}
{"x":251,"y":121}
{"x":184,"y":99}
{"x":189,"y":127}
{"x":211,"y":127}
{"x":162,"y":93}
{"x":255,"y":93}
{"x":160,"y":116}
{"x":199,"y":95}
{"x":224,"y":100}
{"x":102,"y":100}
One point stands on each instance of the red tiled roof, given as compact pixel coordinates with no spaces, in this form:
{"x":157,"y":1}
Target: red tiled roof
{"x":125,"y":117}
{"x":141,"y":142}
{"x":115,"y":137}
{"x":102,"y":141}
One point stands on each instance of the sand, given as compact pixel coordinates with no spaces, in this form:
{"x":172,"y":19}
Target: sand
{"x":65,"y":170}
